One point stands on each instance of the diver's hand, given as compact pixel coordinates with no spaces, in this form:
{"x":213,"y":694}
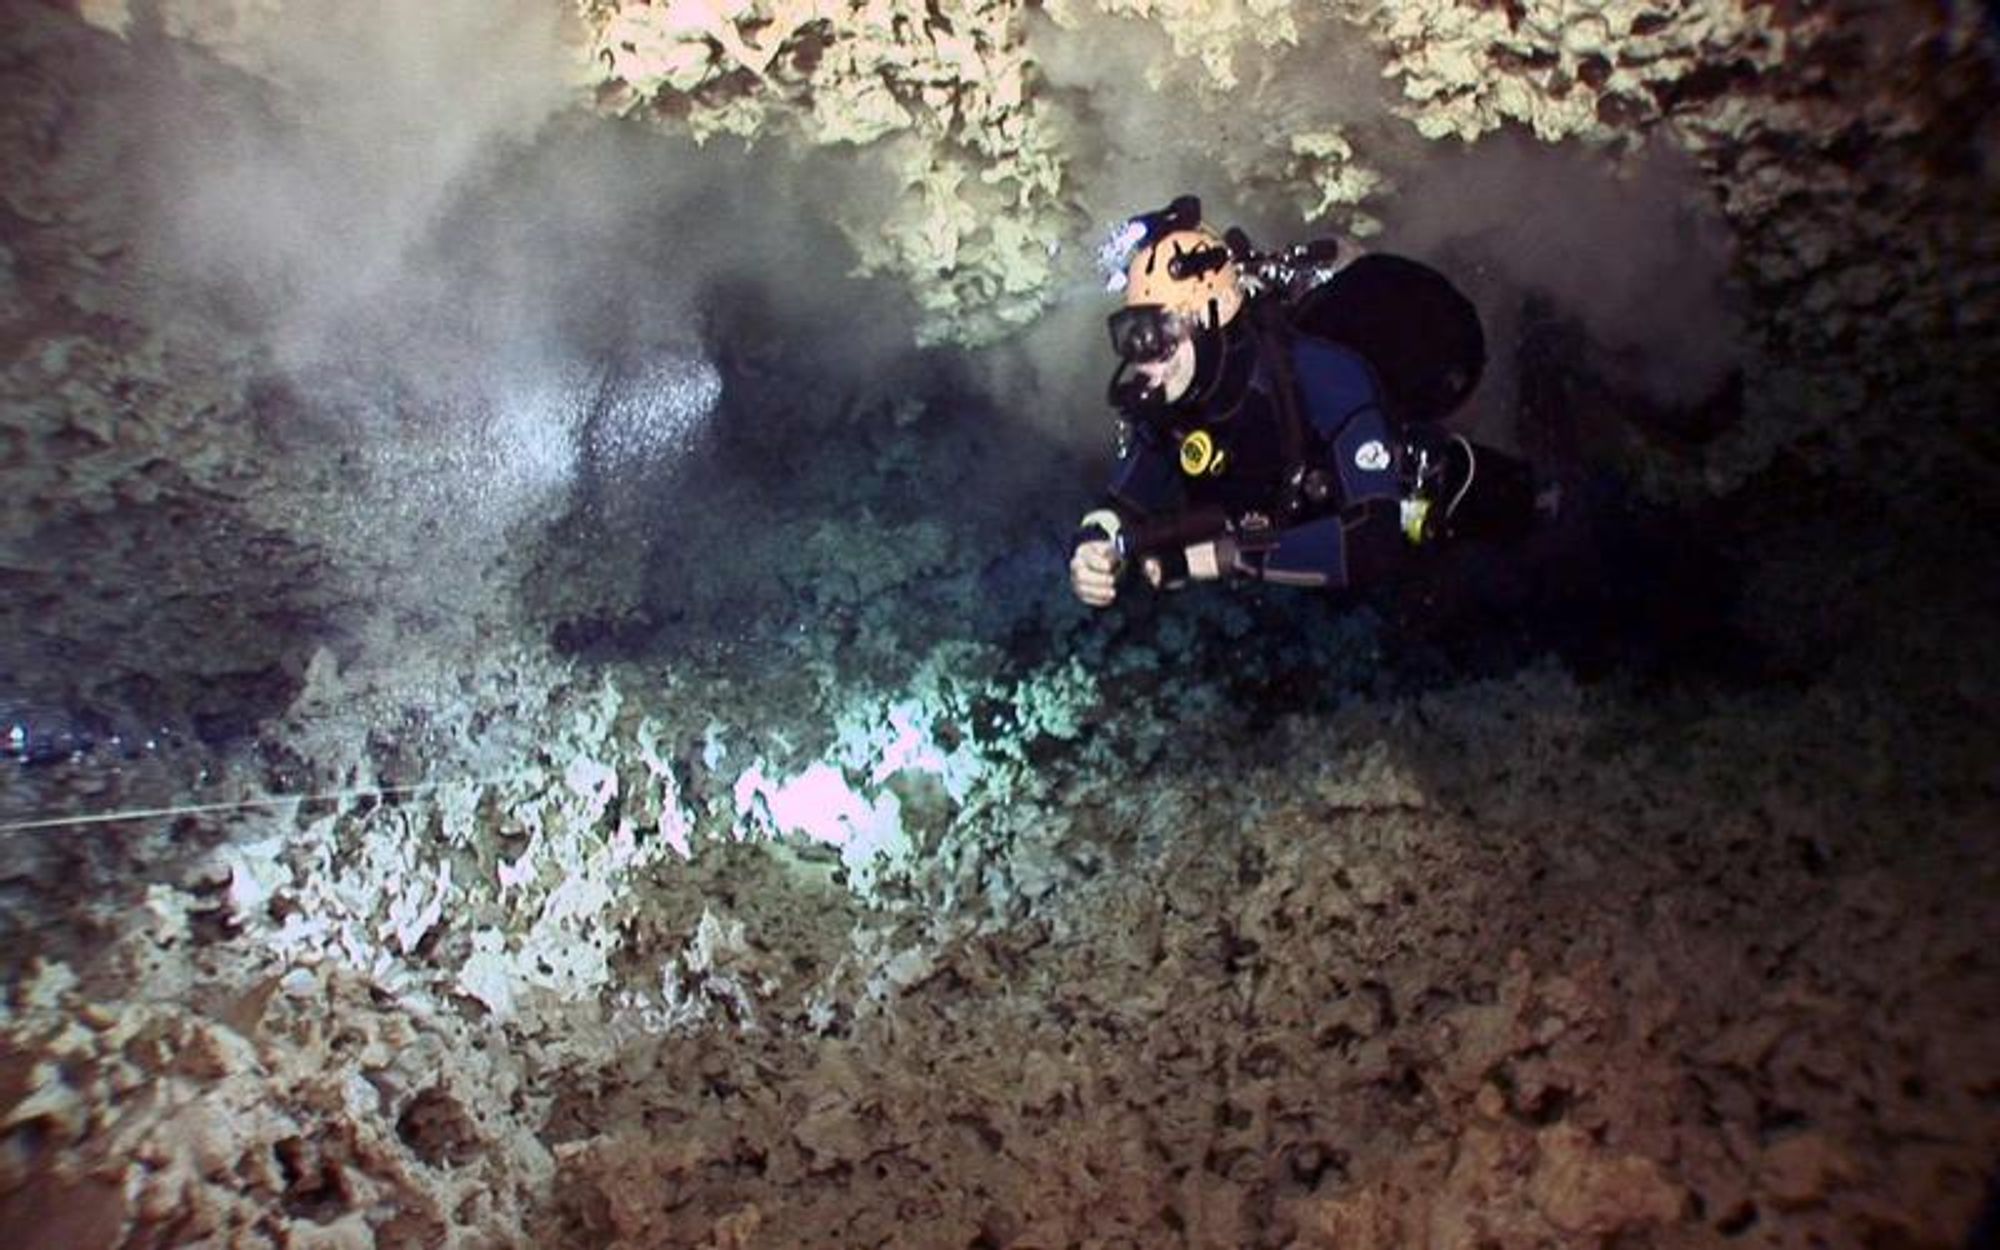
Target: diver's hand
{"x":1093,"y":572}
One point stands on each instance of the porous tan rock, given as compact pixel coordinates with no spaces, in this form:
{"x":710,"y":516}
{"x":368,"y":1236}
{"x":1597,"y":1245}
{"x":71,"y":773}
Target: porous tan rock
{"x":1584,"y":1190}
{"x":1800,"y":1170}
{"x":1523,"y":961}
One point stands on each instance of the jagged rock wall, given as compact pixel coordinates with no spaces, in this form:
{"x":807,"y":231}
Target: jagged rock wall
{"x":393,"y":1129}
{"x":1506,"y":964}
{"x":178,"y":530}
{"x":151,"y":595}
{"x":1514,"y":963}
{"x":1845,"y":148}
{"x":1791,"y":110}
{"x":1376,"y":1014}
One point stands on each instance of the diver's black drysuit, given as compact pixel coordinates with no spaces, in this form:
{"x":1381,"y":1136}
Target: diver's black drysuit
{"x":1308,"y":447}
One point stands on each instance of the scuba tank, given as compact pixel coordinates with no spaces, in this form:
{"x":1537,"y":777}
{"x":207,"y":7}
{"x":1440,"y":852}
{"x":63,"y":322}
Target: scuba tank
{"x":1408,"y":321}
{"x":1418,"y":332}
{"x":1422,"y":339}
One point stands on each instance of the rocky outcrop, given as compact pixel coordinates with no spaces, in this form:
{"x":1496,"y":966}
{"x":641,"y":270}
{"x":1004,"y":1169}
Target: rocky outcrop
{"x":1514,"y":962}
{"x":1792,"y":112}
{"x":1223,"y":922}
{"x":261,"y":1110}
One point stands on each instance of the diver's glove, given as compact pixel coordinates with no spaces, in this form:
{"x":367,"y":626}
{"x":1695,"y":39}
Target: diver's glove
{"x":1096,"y":564}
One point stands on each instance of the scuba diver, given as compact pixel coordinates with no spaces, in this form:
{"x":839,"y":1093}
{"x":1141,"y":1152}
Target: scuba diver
{"x":1279,"y":416}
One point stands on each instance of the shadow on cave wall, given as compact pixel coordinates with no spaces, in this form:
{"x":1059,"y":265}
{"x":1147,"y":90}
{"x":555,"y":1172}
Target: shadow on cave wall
{"x":143,"y":646}
{"x":178,"y":618}
{"x":140,"y":598}
{"x":862,"y":500}
{"x":1613,"y":583}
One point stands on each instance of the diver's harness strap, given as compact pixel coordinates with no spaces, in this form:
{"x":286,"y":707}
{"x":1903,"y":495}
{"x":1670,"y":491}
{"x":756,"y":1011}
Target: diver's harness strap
{"x":1274,"y":345}
{"x":1307,"y":489}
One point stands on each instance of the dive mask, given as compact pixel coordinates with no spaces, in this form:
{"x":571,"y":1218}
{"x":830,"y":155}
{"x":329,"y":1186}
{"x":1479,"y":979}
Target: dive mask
{"x":1145,"y":333}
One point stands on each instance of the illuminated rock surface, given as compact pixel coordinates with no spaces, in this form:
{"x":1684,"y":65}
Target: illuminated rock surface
{"x":730,"y":835}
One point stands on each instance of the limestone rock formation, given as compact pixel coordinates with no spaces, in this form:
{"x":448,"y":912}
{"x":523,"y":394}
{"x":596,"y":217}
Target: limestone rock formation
{"x":723,"y":836}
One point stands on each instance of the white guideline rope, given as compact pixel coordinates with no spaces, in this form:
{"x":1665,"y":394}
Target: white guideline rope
{"x":196,"y":809}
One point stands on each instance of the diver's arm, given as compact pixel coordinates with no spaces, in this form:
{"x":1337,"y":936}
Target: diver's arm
{"x":1108,"y":542}
{"x":1360,"y":470}
{"x":1331,"y":552}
